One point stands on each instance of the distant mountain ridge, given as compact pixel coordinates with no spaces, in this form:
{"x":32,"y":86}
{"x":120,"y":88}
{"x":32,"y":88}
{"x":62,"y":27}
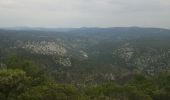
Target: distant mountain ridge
{"x":80,"y":28}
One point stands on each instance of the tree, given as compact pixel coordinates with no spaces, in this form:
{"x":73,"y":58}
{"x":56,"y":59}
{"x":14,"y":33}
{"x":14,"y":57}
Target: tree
{"x":12,"y":82}
{"x":51,"y":91}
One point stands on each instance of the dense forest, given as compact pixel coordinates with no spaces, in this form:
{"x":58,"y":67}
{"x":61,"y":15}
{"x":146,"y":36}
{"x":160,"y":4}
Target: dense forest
{"x":121,"y":63}
{"x":22,"y":79}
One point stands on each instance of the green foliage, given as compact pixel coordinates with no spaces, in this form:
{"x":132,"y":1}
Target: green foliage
{"x":49,"y":92}
{"x":15,"y":62}
{"x":24,"y":80}
{"x":117,"y":92}
{"x":12,"y":82}
{"x":38,"y":76}
{"x":140,"y":88}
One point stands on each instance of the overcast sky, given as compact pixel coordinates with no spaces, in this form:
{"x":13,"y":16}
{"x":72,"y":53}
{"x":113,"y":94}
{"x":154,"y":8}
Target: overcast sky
{"x":85,"y":13}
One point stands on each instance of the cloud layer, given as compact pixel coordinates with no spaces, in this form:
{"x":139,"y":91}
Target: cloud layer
{"x":89,"y":13}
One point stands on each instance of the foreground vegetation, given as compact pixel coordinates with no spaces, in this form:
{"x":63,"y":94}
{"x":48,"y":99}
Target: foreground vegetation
{"x":24,"y":80}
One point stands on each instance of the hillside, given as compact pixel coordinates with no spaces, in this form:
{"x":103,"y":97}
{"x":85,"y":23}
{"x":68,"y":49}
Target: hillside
{"x":88,"y":56}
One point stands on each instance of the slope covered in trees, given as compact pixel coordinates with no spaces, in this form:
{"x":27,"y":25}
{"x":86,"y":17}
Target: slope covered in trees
{"x":24,"y":80}
{"x":122,"y":63}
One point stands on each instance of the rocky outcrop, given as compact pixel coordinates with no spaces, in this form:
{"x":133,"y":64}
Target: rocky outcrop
{"x":45,"y":48}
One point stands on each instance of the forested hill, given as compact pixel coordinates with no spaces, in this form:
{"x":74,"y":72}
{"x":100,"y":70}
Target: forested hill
{"x":121,"y":63}
{"x":84,"y":56}
{"x":22,"y":79}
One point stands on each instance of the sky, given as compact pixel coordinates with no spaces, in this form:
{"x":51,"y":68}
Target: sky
{"x":85,"y":13}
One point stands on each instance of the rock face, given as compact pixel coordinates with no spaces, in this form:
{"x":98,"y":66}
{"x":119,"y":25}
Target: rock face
{"x":83,"y":54}
{"x":45,"y":48}
{"x":150,"y":60}
{"x":63,"y":61}
{"x":53,"y":49}
{"x":124,"y":52}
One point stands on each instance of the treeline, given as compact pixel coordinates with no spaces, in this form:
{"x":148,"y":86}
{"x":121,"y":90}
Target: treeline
{"x":24,"y":80}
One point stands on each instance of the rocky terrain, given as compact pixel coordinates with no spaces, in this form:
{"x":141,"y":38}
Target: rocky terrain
{"x":91,"y":55}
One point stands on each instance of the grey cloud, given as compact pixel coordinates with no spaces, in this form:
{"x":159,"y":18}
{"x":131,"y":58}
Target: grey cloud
{"x":78,"y":13}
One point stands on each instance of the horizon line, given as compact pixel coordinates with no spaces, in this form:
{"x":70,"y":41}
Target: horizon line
{"x":53,"y":27}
